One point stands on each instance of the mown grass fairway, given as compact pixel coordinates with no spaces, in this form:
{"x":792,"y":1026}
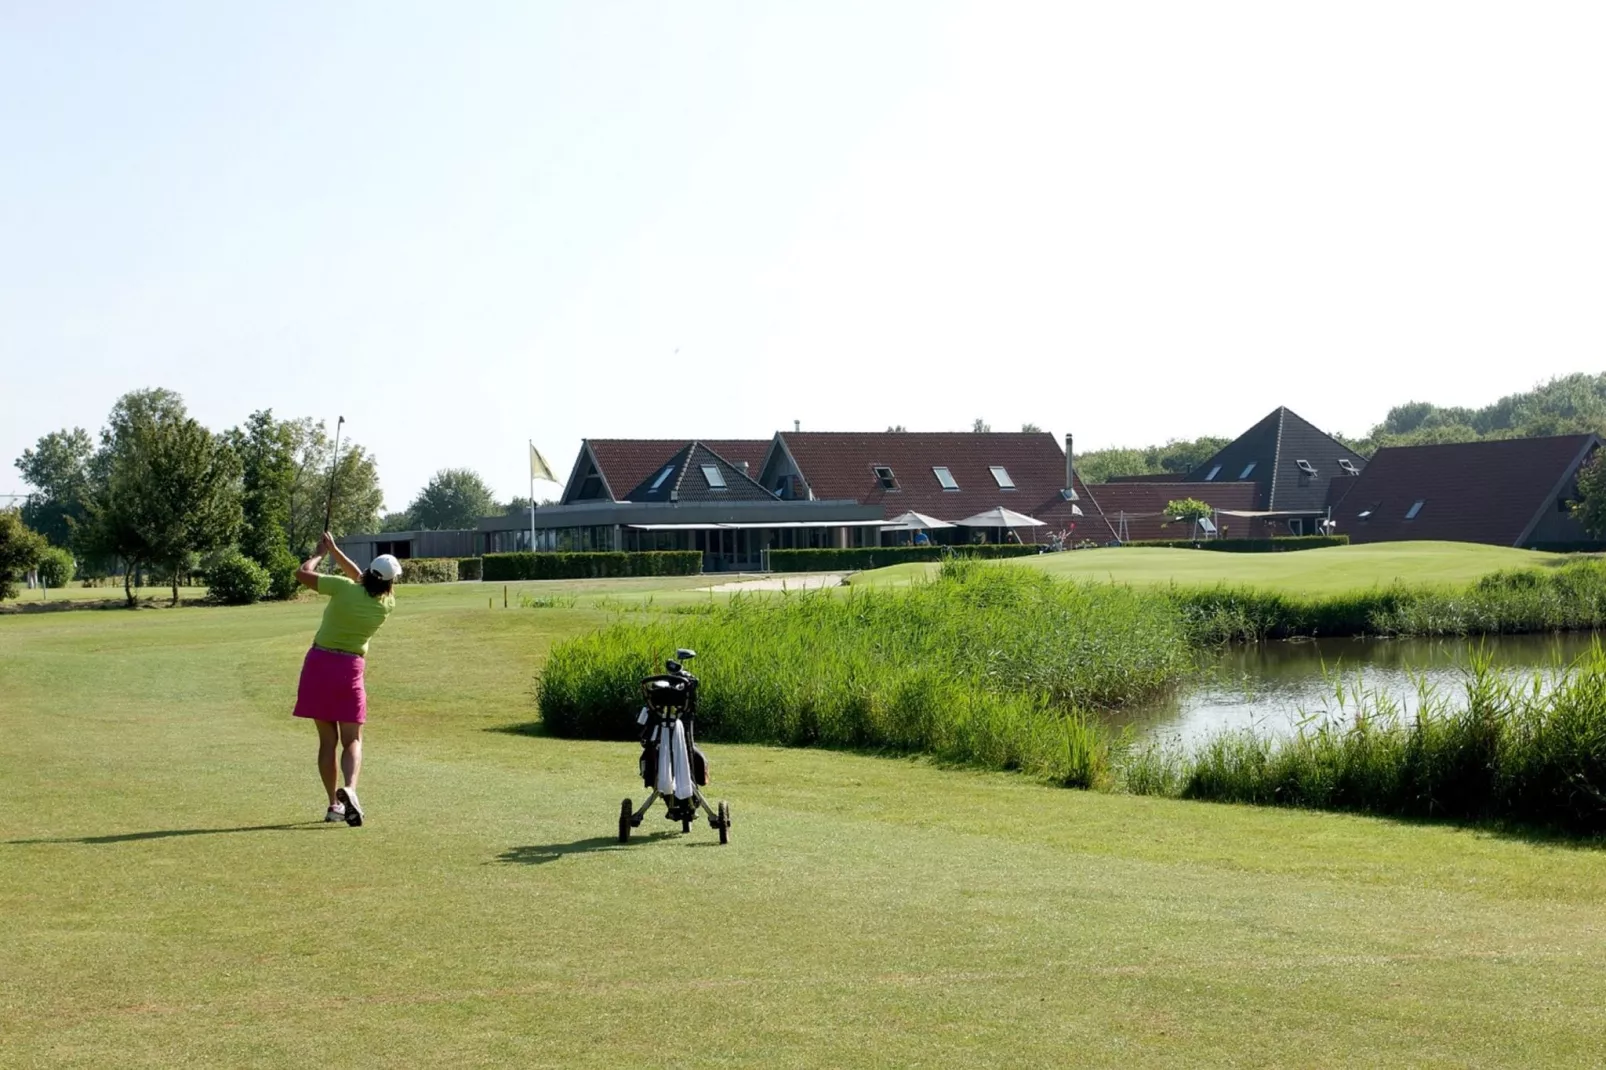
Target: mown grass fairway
{"x":168,"y":899}
{"x":1306,"y":572}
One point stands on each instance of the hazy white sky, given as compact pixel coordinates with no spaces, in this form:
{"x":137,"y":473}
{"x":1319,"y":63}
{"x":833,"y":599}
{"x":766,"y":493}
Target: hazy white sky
{"x":465,"y":225}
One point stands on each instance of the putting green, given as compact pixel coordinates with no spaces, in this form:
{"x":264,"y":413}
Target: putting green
{"x":1327,"y":571}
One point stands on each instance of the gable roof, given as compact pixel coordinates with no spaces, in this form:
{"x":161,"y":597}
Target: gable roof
{"x":841,"y":465}
{"x":623,"y":463}
{"x":1275,"y":446}
{"x":1488,"y":492}
{"x":1144,"y":502}
{"x":695,"y":473}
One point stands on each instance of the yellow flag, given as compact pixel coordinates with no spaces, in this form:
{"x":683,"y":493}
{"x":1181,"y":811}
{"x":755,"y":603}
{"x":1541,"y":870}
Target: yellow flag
{"x":539,"y":469}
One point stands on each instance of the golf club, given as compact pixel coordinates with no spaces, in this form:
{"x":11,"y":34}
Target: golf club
{"x":334,"y":465}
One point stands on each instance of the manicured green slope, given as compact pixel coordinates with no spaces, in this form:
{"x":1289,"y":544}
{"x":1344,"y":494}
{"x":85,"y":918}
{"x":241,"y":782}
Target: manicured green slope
{"x":1314,"y":572}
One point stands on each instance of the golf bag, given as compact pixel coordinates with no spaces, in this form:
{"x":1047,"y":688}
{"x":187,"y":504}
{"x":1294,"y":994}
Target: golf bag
{"x":671,"y":764}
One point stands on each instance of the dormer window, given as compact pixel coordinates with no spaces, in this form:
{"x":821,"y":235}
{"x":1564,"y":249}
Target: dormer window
{"x":1213,"y":473}
{"x":668,"y":471}
{"x":1001,"y":477}
{"x":885,"y":477}
{"x":1348,"y":466}
{"x":945,"y":477}
{"x":1306,"y":467}
{"x":716,"y":478}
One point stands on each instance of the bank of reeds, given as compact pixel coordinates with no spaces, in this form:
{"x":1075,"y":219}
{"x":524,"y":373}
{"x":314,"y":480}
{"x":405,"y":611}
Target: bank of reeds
{"x":1512,"y":748}
{"x":983,"y":666}
{"x":1571,"y":597}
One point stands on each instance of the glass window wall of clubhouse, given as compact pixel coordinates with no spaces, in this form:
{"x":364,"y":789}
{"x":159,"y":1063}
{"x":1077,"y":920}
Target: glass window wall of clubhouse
{"x":730,"y":537}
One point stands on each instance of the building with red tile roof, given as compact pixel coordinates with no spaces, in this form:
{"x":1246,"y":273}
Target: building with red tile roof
{"x":950,"y":475}
{"x":1135,"y":509}
{"x":1510,"y":492}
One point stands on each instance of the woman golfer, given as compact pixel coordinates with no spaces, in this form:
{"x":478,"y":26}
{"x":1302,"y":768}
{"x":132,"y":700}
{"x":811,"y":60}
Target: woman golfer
{"x":331,"y":691}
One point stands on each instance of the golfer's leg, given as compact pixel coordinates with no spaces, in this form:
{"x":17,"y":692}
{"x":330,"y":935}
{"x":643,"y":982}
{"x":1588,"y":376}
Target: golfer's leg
{"x":328,"y":736}
{"x":351,"y":755}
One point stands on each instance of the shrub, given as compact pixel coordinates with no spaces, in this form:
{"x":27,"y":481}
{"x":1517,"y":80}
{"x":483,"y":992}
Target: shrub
{"x":429,"y":570}
{"x":55,"y":567}
{"x":470,"y":568}
{"x":236,"y":580}
{"x":281,"y":569}
{"x":598,"y":565}
{"x":1276,"y":544}
{"x":864,"y":557}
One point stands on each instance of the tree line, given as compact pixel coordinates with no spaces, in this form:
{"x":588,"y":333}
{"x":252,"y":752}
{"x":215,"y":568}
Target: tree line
{"x":1572,"y":404}
{"x":158,"y":495}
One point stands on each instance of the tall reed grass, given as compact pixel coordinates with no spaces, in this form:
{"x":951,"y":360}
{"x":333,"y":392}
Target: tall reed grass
{"x":1515,"y":747}
{"x":983,"y":666}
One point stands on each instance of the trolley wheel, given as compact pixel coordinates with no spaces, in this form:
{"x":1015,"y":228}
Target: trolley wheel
{"x":724,"y":822}
{"x":625,"y":810}
{"x":685,"y":824}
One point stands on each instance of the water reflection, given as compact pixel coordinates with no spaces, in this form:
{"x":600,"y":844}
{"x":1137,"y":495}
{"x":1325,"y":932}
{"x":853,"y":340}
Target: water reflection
{"x":1272,"y":686}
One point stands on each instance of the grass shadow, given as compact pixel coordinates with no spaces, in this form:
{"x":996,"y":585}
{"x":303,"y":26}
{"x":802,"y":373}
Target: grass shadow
{"x":536,"y":855}
{"x":164,"y":834}
{"x":526,"y":728}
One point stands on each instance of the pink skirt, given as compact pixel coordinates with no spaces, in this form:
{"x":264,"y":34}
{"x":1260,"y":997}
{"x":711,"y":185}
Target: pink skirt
{"x":331,"y":687}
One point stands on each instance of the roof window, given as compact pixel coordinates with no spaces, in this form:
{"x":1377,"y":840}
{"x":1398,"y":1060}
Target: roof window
{"x":1416,"y":507}
{"x":888,"y":480}
{"x":945,"y":477}
{"x":1002,"y":476}
{"x":1249,"y":470}
{"x":1213,"y":473}
{"x":1306,"y":467}
{"x":665,"y":474}
{"x":716,"y":478}
{"x":1348,"y":466}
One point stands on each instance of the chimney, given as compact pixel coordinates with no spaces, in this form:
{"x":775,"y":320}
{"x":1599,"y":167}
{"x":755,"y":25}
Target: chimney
{"x":743,"y":466}
{"x":797,"y":425}
{"x":1070,"y":467}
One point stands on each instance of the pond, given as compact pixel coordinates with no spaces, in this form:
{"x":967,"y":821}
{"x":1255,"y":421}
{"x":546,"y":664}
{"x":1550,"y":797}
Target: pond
{"x":1272,"y":686}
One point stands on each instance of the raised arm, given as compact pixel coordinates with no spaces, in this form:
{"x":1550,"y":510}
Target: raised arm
{"x":307,"y":574}
{"x":347,"y":565}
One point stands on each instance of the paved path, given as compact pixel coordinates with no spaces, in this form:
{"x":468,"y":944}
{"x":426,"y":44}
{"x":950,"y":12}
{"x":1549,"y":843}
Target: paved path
{"x":806,"y":581}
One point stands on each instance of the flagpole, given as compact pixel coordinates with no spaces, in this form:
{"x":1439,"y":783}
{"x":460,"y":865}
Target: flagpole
{"x":531,"y":459}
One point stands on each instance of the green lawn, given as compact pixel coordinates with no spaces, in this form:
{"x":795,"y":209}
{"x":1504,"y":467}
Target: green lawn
{"x":1327,"y":571}
{"x":169,"y":899}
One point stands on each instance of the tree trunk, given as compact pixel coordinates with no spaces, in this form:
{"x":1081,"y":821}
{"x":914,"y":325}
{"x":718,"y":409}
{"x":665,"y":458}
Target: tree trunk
{"x":128,"y":576}
{"x":175,"y":584}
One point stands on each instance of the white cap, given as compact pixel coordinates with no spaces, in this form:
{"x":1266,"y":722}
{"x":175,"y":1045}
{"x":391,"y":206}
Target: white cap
{"x":387,"y":566}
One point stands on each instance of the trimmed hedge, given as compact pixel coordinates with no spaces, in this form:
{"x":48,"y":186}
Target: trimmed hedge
{"x":1277,"y":544}
{"x":429,"y":570}
{"x":470,"y":568}
{"x":590,"y":565}
{"x":863,"y":557}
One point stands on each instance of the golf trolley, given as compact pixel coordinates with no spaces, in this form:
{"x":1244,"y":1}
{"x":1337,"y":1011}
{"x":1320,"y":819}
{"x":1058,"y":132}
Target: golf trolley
{"x":670,"y":763}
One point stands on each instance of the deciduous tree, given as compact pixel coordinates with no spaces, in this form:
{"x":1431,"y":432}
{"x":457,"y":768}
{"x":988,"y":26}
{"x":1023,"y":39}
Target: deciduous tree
{"x":20,"y":550}
{"x":455,"y":498}
{"x":1590,"y":508}
{"x":58,"y":468}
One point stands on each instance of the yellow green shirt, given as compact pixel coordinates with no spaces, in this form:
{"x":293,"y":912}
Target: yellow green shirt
{"x":352,"y":616}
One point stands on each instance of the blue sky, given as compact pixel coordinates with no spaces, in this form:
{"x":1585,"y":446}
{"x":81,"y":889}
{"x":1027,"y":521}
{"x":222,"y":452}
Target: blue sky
{"x":462,"y":226}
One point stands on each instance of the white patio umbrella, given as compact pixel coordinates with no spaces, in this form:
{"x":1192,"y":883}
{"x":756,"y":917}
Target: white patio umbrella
{"x":913,"y":521}
{"x":1002,"y":518}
